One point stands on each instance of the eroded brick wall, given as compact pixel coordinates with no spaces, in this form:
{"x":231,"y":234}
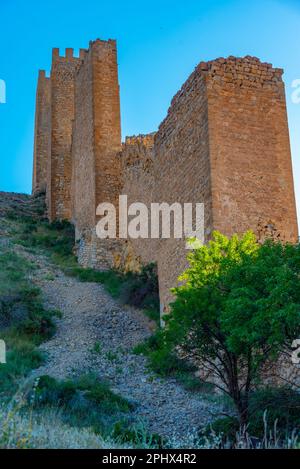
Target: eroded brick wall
{"x":42,"y":133}
{"x":83,"y":173}
{"x":250,"y":156}
{"x":225,"y":142}
{"x":137,"y":165}
{"x":182,"y":172}
{"x":63,"y":73}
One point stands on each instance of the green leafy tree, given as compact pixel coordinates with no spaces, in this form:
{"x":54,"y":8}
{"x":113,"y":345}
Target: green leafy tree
{"x":236,"y":310}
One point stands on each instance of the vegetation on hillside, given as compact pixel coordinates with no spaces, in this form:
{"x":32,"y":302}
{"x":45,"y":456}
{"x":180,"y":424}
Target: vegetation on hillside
{"x":84,"y":402}
{"x":57,"y":240}
{"x":24,"y":322}
{"x":236,"y":311}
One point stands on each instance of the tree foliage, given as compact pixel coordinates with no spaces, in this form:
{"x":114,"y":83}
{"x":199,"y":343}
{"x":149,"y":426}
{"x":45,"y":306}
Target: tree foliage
{"x":236,"y":310}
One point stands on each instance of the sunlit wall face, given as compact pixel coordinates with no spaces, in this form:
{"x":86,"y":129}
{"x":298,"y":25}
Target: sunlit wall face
{"x":159,"y":43}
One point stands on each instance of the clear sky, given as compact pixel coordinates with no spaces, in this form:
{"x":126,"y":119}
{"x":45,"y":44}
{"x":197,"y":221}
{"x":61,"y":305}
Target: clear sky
{"x":159,"y":44}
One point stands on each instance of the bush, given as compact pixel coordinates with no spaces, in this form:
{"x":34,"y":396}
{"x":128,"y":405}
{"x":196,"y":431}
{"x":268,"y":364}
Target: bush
{"x":57,"y":237}
{"x":24,"y":321}
{"x":141,"y":289}
{"x":136,"y":435}
{"x":278,"y":404}
{"x":21,"y":357}
{"x":226,"y":427}
{"x":61,"y":393}
{"x":165,"y":363}
{"x":237,"y":309}
{"x":22,"y":429}
{"x":84,"y":402}
{"x":270,"y":410}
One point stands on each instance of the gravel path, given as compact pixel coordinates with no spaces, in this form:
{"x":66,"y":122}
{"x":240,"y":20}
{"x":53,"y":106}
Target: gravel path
{"x":91,"y":316}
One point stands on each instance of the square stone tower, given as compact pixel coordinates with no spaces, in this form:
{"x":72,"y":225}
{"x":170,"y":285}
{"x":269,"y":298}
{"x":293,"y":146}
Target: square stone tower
{"x":96,"y":174}
{"x":63,"y":71}
{"x":225,"y":143}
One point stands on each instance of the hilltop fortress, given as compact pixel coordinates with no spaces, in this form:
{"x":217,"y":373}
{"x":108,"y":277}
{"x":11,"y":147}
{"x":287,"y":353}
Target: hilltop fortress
{"x":224,"y":142}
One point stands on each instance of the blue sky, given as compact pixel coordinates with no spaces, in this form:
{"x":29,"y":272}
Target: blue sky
{"x":159,"y":44}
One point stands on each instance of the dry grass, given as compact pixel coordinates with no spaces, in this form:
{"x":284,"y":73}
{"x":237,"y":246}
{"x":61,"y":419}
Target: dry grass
{"x":22,"y":428}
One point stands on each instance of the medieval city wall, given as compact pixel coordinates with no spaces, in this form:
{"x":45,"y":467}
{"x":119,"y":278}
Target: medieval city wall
{"x":137,"y":167}
{"x":223,"y":143}
{"x":182,"y":172}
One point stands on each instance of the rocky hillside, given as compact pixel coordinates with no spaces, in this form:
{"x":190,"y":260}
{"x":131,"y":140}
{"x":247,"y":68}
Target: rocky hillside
{"x":88,"y":333}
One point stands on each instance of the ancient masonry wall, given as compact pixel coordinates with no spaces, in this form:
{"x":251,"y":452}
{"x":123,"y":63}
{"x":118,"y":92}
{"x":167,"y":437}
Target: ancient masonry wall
{"x":182,"y":172}
{"x":42,"y":143}
{"x":96,"y":147}
{"x":250,"y":159}
{"x":83,"y":172}
{"x":225,"y":142}
{"x":63,"y":73}
{"x":137,"y":165}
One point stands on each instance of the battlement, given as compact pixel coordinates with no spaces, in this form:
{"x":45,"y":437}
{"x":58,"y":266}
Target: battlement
{"x":137,"y":152}
{"x":43,"y":75}
{"x":247,"y":72}
{"x":68,"y":56}
{"x":232,"y":73}
{"x":82,"y":53}
{"x":102,"y":42}
{"x":144,"y":139}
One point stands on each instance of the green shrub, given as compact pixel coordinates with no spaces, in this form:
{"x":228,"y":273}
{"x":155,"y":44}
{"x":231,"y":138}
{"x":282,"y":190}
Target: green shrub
{"x":227,"y":427}
{"x":193,"y":383}
{"x":269,"y":409}
{"x":84,"y":402}
{"x":165,"y":363}
{"x":124,"y":432}
{"x":237,"y":308}
{"x":21,"y":358}
{"x":24,"y":322}
{"x":58,"y":237}
{"x":98,"y":348}
{"x":111,"y":279}
{"x":141,"y":289}
{"x":280,"y":404}
{"x":151,"y":344}
{"x":137,"y":289}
